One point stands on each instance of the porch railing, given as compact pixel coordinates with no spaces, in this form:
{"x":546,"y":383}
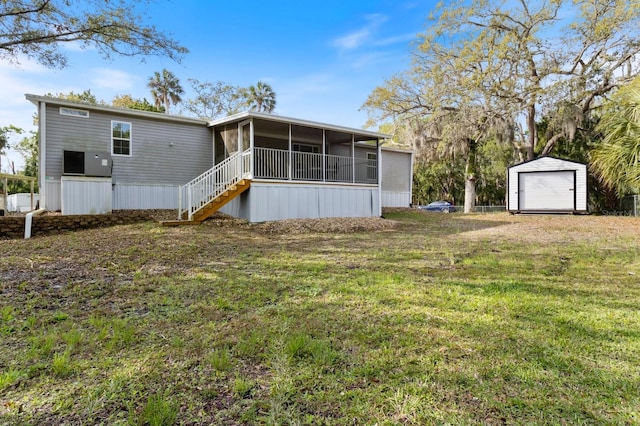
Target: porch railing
{"x":215,"y":181}
{"x":274,"y":164}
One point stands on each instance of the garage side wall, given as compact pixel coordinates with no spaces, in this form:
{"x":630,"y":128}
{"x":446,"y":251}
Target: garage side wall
{"x":547,"y":164}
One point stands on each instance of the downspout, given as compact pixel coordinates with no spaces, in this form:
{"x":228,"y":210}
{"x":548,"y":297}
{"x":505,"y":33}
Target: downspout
{"x":29,"y":220}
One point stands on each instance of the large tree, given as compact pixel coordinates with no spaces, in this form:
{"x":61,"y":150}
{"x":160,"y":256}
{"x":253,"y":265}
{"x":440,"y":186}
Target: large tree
{"x":260,"y":97}
{"x":617,"y":159}
{"x":36,"y":29}
{"x":127,"y":101}
{"x":165,"y":89}
{"x":513,"y":62}
{"x":214,"y":100}
{"x":85,"y":97}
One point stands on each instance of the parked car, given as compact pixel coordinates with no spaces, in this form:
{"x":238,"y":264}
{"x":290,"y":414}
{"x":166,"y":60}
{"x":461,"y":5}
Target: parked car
{"x":439,"y":206}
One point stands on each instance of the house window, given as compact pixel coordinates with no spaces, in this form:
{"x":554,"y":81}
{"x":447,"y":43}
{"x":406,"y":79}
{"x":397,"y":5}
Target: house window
{"x":299,"y":147}
{"x":74,"y":112}
{"x":120,"y":138}
{"x":372,"y":166}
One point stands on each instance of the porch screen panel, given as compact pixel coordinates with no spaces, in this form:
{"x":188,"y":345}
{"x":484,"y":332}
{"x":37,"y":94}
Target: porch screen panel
{"x":228,"y":135}
{"x":366,"y":164}
{"x":340,"y":162}
{"x":307,"y":156}
{"x":271,"y":147}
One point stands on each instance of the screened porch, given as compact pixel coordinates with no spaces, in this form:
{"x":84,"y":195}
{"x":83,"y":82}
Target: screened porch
{"x":294,"y":150}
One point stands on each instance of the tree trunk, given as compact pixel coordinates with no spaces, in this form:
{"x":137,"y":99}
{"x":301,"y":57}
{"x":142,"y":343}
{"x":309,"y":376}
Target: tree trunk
{"x":470,"y":178}
{"x":531,"y":128}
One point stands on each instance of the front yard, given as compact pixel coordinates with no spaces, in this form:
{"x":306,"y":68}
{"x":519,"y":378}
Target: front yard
{"x":429,"y":319}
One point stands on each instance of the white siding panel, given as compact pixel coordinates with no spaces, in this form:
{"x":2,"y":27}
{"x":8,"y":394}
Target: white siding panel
{"x":84,"y":195}
{"x":136,"y":197}
{"x":396,"y":199}
{"x":53,"y":201}
{"x":22,"y":202}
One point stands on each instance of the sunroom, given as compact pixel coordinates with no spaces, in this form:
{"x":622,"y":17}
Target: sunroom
{"x":297,"y":150}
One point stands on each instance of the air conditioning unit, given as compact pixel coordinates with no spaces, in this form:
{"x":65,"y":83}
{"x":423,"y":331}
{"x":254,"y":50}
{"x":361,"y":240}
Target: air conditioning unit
{"x":87,"y":163}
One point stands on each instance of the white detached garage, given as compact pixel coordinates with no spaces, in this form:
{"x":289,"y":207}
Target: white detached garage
{"x":547,"y":185}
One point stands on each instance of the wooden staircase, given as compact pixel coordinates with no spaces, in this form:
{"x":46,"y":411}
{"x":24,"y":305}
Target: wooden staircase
{"x":209,"y":192}
{"x":212,"y":206}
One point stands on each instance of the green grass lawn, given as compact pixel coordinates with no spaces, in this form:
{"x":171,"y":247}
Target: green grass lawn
{"x":445,"y":319}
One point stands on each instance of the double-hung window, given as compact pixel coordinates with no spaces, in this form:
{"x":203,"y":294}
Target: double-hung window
{"x":121,"y":138}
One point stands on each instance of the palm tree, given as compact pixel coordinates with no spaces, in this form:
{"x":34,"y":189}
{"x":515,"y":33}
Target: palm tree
{"x":617,"y":159}
{"x":165,"y":89}
{"x":261,"y":97}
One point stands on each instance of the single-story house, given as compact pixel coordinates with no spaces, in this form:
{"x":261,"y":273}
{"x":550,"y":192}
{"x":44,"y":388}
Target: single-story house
{"x":256,"y":166}
{"x":547,"y":185}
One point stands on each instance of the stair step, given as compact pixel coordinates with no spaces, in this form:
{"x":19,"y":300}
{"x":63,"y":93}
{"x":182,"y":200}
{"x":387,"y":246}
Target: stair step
{"x":214,"y":204}
{"x":178,"y":222}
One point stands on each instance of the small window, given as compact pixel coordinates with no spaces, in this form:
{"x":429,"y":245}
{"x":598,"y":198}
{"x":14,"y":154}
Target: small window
{"x":120,"y":138}
{"x":299,"y":147}
{"x":74,"y":112}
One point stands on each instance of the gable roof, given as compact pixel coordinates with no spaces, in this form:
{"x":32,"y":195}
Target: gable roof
{"x":547,"y":157}
{"x":360,"y":134}
{"x":111,"y":109}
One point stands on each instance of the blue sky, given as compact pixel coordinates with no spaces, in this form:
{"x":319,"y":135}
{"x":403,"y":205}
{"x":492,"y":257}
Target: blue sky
{"x":322,"y":58}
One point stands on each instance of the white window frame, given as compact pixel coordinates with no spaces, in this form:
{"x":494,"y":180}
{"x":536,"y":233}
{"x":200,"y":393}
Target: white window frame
{"x":315,"y":149}
{"x":73,"y":112}
{"x":130,"y":138}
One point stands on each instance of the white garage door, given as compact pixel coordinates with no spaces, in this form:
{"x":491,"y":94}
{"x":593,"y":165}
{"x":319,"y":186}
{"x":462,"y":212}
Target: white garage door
{"x":547,"y":190}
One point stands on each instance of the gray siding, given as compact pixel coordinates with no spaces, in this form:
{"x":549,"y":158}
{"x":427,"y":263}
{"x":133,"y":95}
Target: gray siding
{"x":53,"y":202}
{"x":267,"y":201}
{"x":360,"y":154}
{"x":162,"y":152}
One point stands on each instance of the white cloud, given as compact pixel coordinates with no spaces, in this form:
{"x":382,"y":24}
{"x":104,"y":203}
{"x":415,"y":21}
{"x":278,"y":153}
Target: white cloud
{"x":112,"y":79}
{"x":402,"y":38}
{"x":357,"y":38}
{"x":353,"y":40}
{"x":22,"y":64}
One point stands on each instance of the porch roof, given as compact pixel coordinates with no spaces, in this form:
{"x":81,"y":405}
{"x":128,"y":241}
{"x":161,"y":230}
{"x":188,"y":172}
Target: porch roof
{"x":359,"y":134}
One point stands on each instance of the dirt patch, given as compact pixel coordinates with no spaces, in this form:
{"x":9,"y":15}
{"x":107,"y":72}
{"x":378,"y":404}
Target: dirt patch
{"x":335,"y":225}
{"x":290,"y":226}
{"x":555,"y":228}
